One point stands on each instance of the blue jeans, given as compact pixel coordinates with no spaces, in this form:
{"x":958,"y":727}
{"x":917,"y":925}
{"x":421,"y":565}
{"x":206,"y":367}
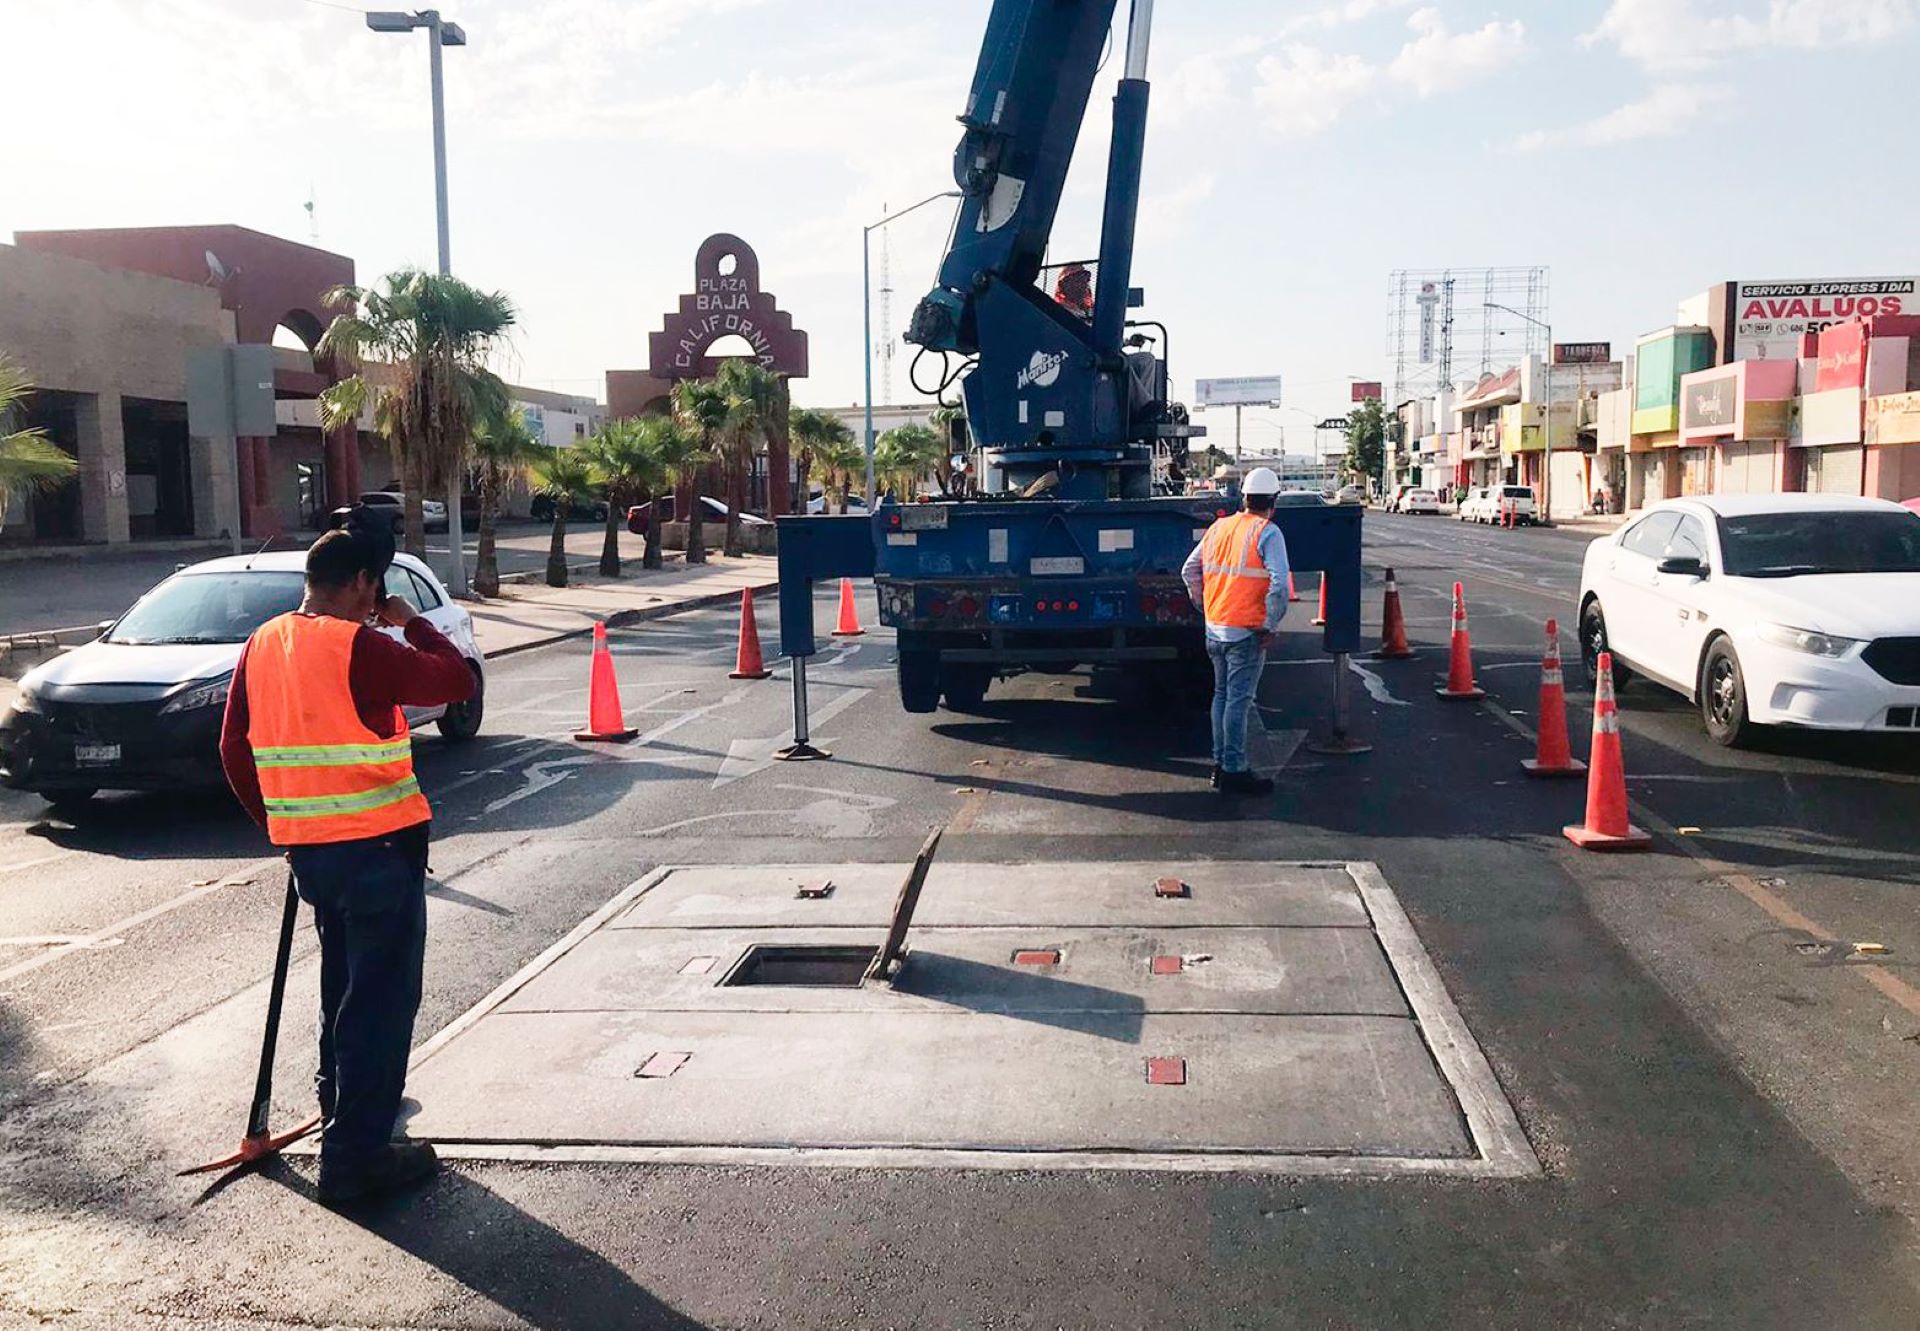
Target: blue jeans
{"x":1236,"y":674}
{"x":370,"y":909}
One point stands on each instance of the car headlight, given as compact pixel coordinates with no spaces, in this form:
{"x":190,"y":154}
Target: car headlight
{"x":211,"y":694}
{"x":1805,"y":640}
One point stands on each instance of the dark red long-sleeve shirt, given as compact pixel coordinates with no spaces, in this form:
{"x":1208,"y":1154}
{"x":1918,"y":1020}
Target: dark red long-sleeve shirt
{"x":425,"y":671}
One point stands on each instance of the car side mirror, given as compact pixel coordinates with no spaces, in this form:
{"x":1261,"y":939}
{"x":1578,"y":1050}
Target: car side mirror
{"x":1684,"y":566}
{"x":104,"y":627}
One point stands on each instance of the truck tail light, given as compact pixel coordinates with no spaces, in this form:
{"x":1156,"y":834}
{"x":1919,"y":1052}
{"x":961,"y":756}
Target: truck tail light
{"x":1149,"y":603}
{"x":969,"y":608}
{"x":937,"y":607}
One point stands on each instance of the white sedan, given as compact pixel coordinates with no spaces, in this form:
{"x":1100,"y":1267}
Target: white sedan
{"x":1778,"y":609}
{"x":1419,"y":500}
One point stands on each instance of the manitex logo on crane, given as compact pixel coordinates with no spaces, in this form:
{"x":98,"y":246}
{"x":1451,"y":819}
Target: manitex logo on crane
{"x":1043,"y":371}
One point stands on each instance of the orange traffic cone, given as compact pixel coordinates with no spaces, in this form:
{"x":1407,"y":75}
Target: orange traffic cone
{"x":1393,"y":626}
{"x":849,"y":618}
{"x":1460,"y":683}
{"x":1292,"y":595}
{"x":605,"y":724}
{"x":1321,"y":618}
{"x":747,"y":662}
{"x":1551,"y":754}
{"x":1607,"y":827}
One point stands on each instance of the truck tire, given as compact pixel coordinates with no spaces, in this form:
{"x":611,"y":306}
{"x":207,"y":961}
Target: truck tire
{"x":965,"y":686}
{"x":919,"y":672}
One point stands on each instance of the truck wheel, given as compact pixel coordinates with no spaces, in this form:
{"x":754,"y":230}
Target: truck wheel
{"x":965,"y":686}
{"x":919,"y":671}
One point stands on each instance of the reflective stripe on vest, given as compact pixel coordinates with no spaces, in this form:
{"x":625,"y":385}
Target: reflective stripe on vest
{"x":1234,"y":576}
{"x":324,"y":776}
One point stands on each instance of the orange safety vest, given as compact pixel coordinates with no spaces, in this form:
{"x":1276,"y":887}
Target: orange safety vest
{"x":1236,"y":581}
{"x":324,"y":776}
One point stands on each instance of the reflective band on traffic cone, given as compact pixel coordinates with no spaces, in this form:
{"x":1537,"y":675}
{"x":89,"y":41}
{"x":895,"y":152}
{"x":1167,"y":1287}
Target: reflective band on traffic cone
{"x":1460,"y":683}
{"x":1393,"y":626}
{"x":605,"y":723}
{"x":849,"y":618}
{"x":1321,"y":618}
{"x":1552,"y":756}
{"x":747,"y":662}
{"x":1292,"y":595}
{"x":1607,"y":827}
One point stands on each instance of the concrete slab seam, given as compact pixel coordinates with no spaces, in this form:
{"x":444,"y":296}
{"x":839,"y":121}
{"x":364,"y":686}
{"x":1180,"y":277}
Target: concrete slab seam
{"x":1491,"y":1122}
{"x":520,"y":978}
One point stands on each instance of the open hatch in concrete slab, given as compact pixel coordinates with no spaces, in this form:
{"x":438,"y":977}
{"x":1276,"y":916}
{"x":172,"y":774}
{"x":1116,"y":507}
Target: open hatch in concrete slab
{"x":1275,"y":1018}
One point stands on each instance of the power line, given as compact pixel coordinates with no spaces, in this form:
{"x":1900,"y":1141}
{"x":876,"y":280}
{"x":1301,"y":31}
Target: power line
{"x":335,"y":4}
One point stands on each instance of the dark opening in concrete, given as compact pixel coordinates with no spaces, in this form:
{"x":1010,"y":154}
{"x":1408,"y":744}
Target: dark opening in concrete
{"x":808,"y":967}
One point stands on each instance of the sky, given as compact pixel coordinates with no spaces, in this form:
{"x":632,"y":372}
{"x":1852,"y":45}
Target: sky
{"x":1298,"y":152}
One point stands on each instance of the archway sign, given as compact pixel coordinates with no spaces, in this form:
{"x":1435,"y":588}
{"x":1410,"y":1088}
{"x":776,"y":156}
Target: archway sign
{"x":726,"y":301}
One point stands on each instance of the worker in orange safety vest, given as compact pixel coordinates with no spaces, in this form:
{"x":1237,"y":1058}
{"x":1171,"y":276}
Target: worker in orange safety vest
{"x":315,"y":745}
{"x":1237,"y":576}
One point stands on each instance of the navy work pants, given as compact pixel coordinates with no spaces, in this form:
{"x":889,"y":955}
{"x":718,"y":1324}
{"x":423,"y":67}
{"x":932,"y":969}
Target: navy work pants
{"x":370,"y":909}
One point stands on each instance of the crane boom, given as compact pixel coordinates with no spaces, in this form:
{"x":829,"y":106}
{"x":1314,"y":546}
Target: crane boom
{"x":1054,"y":390}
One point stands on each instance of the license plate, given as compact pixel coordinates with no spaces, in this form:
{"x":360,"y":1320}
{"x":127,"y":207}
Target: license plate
{"x":923,"y":517}
{"x":96,"y":755}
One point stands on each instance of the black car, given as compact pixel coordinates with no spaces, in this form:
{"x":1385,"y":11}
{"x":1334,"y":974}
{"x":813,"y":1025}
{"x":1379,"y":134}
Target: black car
{"x":584,"y":510}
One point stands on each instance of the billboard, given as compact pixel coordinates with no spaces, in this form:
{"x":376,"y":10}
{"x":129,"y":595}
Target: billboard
{"x":1770,"y":318}
{"x":1253,"y":391}
{"x":1842,"y":356}
{"x":1366,"y":392}
{"x":1582,"y":353}
{"x":1710,"y":403}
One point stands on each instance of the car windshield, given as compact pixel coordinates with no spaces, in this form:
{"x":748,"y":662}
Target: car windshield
{"x":208,"y":608}
{"x":1785,"y":545}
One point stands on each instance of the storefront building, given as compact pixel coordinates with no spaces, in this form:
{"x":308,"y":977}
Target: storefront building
{"x":1657,"y":466}
{"x":1739,"y":416}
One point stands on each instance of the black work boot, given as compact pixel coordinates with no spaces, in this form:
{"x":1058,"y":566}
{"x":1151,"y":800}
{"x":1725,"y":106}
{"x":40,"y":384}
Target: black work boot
{"x":396,"y":1166}
{"x":1213,"y":777}
{"x":1245,"y":783}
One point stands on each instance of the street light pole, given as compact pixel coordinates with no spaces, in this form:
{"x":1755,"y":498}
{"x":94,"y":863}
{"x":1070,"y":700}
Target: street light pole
{"x":1546,"y":429}
{"x":440,"y":33}
{"x":866,"y":315}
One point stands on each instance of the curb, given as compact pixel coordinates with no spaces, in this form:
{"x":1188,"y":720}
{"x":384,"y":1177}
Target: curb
{"x":620,"y":619}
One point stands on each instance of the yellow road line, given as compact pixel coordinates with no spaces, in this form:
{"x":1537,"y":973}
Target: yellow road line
{"x":1776,"y":907}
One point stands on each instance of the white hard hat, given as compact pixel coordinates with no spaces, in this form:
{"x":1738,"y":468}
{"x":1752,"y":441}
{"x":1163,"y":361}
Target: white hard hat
{"x":1261,"y":481}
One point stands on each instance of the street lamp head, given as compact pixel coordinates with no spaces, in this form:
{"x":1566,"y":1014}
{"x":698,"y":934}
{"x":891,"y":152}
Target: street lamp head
{"x":452,"y":34}
{"x":387,"y":20}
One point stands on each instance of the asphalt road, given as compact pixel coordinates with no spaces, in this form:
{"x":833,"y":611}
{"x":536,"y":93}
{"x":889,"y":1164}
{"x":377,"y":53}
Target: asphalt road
{"x":1724,"y":1114}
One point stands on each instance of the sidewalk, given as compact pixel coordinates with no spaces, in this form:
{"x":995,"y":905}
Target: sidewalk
{"x":529,"y":615}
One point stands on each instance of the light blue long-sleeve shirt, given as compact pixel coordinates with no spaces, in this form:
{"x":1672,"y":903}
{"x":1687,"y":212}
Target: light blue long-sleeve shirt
{"x":1273,"y":555}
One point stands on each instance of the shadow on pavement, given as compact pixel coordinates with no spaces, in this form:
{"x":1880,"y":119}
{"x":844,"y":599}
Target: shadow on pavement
{"x":1025,"y":993}
{"x":526,"y":1266}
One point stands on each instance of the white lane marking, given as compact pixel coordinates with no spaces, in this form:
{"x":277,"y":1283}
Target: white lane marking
{"x":1376,"y":686}
{"x":748,"y":756}
{"x":60,"y":940}
{"x":461,"y":783}
{"x":34,"y":864}
{"x":132,"y":922}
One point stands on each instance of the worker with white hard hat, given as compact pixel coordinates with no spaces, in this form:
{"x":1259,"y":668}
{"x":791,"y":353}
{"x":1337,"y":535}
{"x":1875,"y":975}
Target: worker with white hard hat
{"x":1237,"y":576}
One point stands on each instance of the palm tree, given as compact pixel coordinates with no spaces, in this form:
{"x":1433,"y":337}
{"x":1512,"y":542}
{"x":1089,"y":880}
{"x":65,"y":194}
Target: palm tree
{"x":504,"y":447}
{"x":828,"y":442}
{"x":670,"y":451}
{"x":903,"y":456}
{"x":629,"y":471}
{"x":565,"y":475}
{"x":950,"y":423}
{"x":703,"y":407}
{"x":28,"y":461}
{"x":435,"y":333}
{"x":753,"y":401}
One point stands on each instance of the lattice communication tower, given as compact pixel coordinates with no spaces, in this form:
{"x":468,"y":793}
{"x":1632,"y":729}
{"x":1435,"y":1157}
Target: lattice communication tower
{"x":1440,"y":331}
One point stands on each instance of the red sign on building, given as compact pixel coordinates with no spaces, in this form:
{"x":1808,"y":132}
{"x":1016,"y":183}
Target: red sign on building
{"x":1366,"y":392}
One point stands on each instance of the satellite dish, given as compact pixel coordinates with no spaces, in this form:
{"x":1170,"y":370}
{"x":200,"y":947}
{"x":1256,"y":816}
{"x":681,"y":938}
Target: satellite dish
{"x":215,"y":269}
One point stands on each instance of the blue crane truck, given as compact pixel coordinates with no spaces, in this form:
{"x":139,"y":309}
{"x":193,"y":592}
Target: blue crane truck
{"x":1069,"y":548}
{"x":1070,"y":553}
